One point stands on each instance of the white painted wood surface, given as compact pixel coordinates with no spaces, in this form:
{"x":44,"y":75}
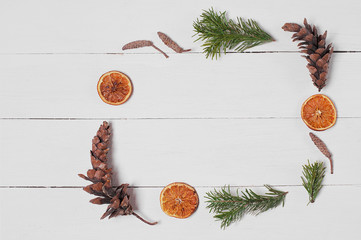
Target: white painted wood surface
{"x":183,"y":86}
{"x":209,"y":123}
{"x":83,"y":26}
{"x":63,"y":213}
{"x":203,"y":152}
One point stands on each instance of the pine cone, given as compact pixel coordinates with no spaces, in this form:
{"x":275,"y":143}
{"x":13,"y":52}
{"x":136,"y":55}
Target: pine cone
{"x":100,"y":175}
{"x":322,"y":147}
{"x":314,"y":46}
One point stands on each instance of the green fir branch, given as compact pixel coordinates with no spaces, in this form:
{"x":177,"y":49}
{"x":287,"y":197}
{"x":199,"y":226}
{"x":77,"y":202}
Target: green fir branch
{"x":313,"y":175}
{"x":230,"y":208}
{"x":220,"y":34}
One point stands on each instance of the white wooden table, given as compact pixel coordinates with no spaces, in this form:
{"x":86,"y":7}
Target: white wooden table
{"x":208,"y":123}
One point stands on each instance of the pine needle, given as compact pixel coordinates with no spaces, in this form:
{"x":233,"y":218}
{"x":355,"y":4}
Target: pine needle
{"x":230,"y":208}
{"x":312,"y":180}
{"x":220,"y":34}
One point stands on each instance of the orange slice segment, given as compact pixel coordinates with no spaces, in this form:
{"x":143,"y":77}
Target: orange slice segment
{"x":114,"y":87}
{"x":319,"y":112}
{"x":179,"y":200}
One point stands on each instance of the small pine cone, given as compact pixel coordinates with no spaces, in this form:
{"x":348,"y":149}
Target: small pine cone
{"x":323,"y":149}
{"x":314,"y":46}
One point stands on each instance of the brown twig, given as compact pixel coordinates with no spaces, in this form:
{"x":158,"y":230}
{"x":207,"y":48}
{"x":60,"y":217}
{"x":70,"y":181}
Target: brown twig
{"x":143,"y":220}
{"x":165,"y":55}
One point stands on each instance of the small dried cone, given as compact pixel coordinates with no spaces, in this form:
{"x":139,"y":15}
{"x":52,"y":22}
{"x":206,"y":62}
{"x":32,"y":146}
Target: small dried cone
{"x":100,"y":176}
{"x":314,"y":47}
{"x":322,"y":147}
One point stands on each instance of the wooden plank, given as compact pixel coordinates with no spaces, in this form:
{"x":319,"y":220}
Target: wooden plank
{"x":99,"y":27}
{"x":239,"y":86}
{"x":66,"y":213}
{"x":157,"y":152}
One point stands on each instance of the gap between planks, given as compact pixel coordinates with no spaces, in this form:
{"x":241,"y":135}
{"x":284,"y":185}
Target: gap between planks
{"x":215,"y":186}
{"x":155,"y":53}
{"x":159,"y":118}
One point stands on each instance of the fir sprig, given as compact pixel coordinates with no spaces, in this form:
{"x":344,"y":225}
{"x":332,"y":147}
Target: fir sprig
{"x":220,"y":34}
{"x":312,"y":180}
{"x":230,"y":208}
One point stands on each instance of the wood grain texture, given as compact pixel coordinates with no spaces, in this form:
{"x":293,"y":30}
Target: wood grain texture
{"x":184,"y":86}
{"x":156,"y":152}
{"x":104,"y":27}
{"x":66,"y":213}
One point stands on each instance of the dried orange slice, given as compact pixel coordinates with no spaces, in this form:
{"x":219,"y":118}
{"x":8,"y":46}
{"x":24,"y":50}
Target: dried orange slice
{"x":319,"y":112}
{"x":179,"y":200}
{"x":114,"y":87}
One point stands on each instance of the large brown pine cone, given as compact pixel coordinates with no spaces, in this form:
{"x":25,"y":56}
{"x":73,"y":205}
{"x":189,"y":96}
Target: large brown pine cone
{"x":101,"y":176}
{"x":314,"y":46}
